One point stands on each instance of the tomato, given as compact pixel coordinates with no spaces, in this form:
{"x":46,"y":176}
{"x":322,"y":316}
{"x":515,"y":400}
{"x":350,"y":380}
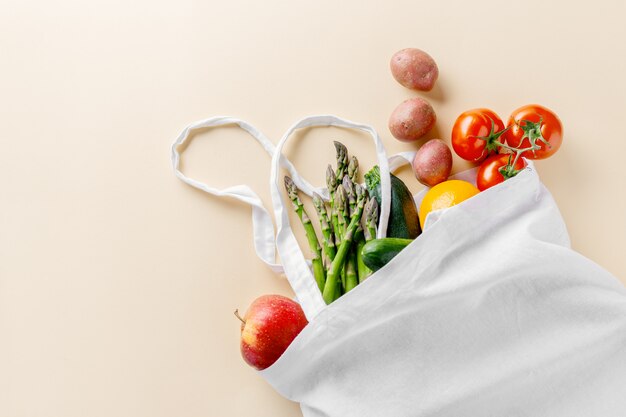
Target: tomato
{"x":474,"y":134}
{"x":534,"y":124}
{"x":491,"y":171}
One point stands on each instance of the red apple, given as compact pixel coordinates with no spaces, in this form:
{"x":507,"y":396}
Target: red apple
{"x":268,"y":327}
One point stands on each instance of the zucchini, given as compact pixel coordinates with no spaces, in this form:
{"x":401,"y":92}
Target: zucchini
{"x":378,"y":252}
{"x":403,"y":219}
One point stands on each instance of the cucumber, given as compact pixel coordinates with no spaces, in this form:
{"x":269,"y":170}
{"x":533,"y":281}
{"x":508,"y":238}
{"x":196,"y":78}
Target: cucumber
{"x":378,"y":252}
{"x":403,"y":219}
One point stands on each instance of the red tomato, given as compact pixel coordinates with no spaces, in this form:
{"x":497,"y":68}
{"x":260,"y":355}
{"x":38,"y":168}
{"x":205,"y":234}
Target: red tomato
{"x":474,"y":134}
{"x":534,"y":124}
{"x":494,"y":170}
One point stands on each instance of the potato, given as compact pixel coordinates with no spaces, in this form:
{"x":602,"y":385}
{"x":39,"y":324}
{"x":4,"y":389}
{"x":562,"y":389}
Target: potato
{"x":412,"y":119}
{"x":433,"y":162}
{"x":414,"y":69}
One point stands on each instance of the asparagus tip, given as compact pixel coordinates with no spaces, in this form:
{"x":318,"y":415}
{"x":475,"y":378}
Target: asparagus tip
{"x":290,"y":186}
{"x":347,"y":184}
{"x":331,"y":179}
{"x":360,"y":190}
{"x":340,"y":197}
{"x":317,"y":201}
{"x":353,"y":168}
{"x":370,"y":211}
{"x":342,"y":155}
{"x":340,"y":147}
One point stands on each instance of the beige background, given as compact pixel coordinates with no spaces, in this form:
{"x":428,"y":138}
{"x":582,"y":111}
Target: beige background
{"x":118,"y":282}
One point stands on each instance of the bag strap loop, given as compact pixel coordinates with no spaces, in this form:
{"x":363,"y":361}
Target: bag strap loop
{"x":262,"y":225}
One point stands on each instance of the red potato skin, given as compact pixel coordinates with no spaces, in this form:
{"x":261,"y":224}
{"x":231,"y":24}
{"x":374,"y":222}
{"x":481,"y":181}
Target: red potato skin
{"x":433,"y":162}
{"x":412,"y":119}
{"x":414,"y":69}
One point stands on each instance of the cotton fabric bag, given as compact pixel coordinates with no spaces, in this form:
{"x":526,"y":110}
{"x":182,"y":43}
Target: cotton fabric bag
{"x":488,"y":313}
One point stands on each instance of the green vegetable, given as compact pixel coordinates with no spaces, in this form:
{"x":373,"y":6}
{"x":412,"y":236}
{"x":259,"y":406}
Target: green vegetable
{"x":353,"y":169}
{"x":328,"y":241}
{"x":348,"y":220}
{"x":370,"y":217}
{"x":318,"y":267}
{"x":331,"y":183}
{"x":343,"y":215}
{"x":403,"y":219}
{"x":362,"y":270}
{"x":352,"y":279}
{"x":348,"y":185}
{"x":336,"y":266}
{"x":378,"y":252}
{"x":342,"y":160}
{"x":368,"y":232}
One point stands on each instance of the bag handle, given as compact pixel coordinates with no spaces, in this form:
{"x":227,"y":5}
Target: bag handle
{"x":296,"y":268}
{"x":401,"y":159}
{"x":262,"y":225}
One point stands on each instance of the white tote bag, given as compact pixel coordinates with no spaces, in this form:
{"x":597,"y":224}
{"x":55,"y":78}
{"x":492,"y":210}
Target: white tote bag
{"x":488,"y":313}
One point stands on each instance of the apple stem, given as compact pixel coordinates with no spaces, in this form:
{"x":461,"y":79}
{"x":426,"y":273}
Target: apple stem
{"x":239,"y":317}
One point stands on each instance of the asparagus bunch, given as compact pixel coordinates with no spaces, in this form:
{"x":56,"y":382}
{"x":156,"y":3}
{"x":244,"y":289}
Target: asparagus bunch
{"x":329,"y":292}
{"x":346,"y":221}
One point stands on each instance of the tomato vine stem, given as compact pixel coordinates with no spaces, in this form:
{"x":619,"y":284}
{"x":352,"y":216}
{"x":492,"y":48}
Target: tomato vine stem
{"x":493,"y":137}
{"x":532,"y":132}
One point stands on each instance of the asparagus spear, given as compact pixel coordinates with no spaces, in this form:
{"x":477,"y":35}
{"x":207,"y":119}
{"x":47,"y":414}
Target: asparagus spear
{"x":361,"y":192}
{"x":355,"y":262}
{"x":318,"y":268}
{"x":341,"y":211}
{"x":331,"y":180}
{"x":352,"y":278}
{"x":341,"y":208}
{"x":336,"y":266}
{"x":351,"y":275}
{"x":331,"y":183}
{"x":353,"y":169}
{"x":348,"y":185}
{"x":342,"y":160}
{"x":370,"y":215}
{"x":328,"y":242}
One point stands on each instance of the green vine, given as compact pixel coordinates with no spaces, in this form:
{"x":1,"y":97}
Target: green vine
{"x":532,"y":132}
